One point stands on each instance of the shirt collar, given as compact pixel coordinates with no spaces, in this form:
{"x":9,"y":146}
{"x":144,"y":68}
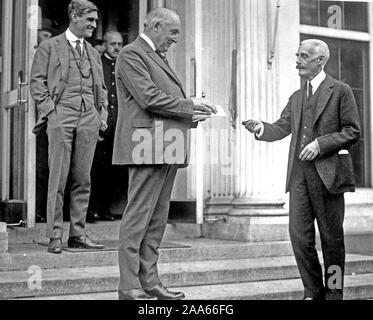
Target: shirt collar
{"x":108,"y":57}
{"x":315,"y":82}
{"x":148,"y":40}
{"x":72,"y":37}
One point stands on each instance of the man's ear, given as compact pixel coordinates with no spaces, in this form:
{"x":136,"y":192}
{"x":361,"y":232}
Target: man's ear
{"x":73,"y":17}
{"x":156,"y":27}
{"x":321,"y":59}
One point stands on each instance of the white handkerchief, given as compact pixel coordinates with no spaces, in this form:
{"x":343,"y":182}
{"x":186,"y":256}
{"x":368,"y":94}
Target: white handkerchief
{"x":343,"y":152}
{"x":220,"y":112}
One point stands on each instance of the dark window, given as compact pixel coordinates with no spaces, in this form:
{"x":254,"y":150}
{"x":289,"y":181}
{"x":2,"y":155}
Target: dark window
{"x":334,"y":14}
{"x":349,"y":63}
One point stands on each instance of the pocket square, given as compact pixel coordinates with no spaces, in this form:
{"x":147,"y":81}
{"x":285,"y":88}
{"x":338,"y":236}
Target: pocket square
{"x":343,"y":152}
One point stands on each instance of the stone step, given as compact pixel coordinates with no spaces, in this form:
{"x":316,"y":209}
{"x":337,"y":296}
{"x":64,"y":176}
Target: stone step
{"x":101,"y":230}
{"x":104,"y":279}
{"x":357,"y":287}
{"x":21,"y":257}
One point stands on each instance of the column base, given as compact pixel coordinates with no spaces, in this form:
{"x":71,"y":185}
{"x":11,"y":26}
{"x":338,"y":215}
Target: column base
{"x":217,"y":207}
{"x":3,"y":238}
{"x":244,"y":207}
{"x":252,"y":220}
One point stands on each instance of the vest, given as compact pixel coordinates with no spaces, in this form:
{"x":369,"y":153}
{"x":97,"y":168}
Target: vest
{"x":79,"y":86}
{"x":308,"y":116}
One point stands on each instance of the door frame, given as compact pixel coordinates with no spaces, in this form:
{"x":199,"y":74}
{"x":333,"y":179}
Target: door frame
{"x":12,"y":98}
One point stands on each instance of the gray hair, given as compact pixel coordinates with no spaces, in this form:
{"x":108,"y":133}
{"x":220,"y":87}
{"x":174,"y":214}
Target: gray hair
{"x":81,"y":7}
{"x":158,"y":15}
{"x":320,"y":47}
{"x":110,"y":33}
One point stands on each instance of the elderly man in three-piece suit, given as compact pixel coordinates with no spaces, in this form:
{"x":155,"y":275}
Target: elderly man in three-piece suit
{"x":152,"y":139}
{"x":68,"y":88}
{"x":324,"y":122}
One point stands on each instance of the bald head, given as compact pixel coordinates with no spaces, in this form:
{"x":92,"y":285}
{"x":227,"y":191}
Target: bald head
{"x":113,"y":43}
{"x":318,"y":47}
{"x":312,"y":56}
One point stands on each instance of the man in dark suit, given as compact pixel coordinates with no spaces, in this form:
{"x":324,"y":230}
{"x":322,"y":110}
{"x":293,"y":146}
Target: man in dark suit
{"x":107,"y":180}
{"x":324,"y":122}
{"x":152,"y":139}
{"x":67,"y":86}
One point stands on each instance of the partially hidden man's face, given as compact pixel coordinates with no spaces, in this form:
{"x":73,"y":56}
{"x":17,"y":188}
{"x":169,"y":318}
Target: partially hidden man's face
{"x":167,"y":33}
{"x":113,"y":45}
{"x":309,"y":61}
{"x":86,"y":24}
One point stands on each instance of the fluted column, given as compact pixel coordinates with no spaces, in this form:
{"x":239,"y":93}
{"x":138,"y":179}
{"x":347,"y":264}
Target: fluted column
{"x":260,"y":167}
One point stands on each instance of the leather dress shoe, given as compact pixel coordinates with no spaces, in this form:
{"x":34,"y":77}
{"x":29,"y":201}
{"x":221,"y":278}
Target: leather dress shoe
{"x":92,"y":216}
{"x":83,"y":242}
{"x":55,"y":246}
{"x":107,"y":217}
{"x":162,"y":293}
{"x":134,"y":294}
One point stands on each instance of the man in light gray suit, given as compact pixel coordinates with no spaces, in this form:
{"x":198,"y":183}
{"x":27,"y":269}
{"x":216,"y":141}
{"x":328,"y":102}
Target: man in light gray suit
{"x":152,"y":139}
{"x":68,"y":88}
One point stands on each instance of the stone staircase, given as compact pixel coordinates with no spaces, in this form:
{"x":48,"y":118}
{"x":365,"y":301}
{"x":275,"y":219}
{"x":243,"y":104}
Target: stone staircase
{"x":203,"y":268}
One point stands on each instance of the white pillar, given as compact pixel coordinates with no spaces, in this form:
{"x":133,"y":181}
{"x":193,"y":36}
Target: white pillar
{"x":260,"y":166}
{"x":3,"y":238}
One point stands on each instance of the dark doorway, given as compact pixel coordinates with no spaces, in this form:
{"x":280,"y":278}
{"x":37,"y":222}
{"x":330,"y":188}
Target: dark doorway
{"x":121,"y":16}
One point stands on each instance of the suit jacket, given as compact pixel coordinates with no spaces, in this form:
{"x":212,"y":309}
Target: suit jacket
{"x":49,"y":74}
{"x":336,"y":127}
{"x":154,"y":116}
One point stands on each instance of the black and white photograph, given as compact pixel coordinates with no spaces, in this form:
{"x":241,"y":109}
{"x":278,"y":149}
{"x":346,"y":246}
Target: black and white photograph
{"x":199,"y":151}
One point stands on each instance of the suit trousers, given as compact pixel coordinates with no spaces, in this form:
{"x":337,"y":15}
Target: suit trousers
{"x":72,"y":134}
{"x":143,"y":224}
{"x":310,"y":201}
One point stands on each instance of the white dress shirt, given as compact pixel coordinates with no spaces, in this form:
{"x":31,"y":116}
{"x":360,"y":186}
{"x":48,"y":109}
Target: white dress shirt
{"x":72,"y":38}
{"x":315,"y":82}
{"x":148,"y":40}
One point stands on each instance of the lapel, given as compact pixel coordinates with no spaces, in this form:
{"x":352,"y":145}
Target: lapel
{"x":62,"y":49}
{"x":94,"y":64}
{"x":297,"y":109}
{"x":153,"y":55}
{"x":325,"y":94}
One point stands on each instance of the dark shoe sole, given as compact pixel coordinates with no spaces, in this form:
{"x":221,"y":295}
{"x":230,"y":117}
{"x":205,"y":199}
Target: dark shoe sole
{"x":84,"y":247}
{"x":55,"y":251}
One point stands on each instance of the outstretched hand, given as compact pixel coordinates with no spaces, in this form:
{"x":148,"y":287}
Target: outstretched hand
{"x":253,"y":126}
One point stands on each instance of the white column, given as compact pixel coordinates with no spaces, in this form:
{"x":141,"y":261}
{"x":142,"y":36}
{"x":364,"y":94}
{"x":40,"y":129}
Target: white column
{"x":260,"y":166}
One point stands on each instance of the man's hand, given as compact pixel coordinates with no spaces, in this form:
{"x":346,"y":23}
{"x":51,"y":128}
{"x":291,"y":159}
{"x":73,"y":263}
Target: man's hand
{"x":104,"y":126}
{"x":200,"y":118}
{"x":310,"y":152}
{"x":203,"y":107}
{"x":253,"y":126}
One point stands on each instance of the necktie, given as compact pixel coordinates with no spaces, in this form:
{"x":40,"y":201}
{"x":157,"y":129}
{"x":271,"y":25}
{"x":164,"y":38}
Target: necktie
{"x":78,"y":48}
{"x":309,"y":95}
{"x":162,"y":57}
